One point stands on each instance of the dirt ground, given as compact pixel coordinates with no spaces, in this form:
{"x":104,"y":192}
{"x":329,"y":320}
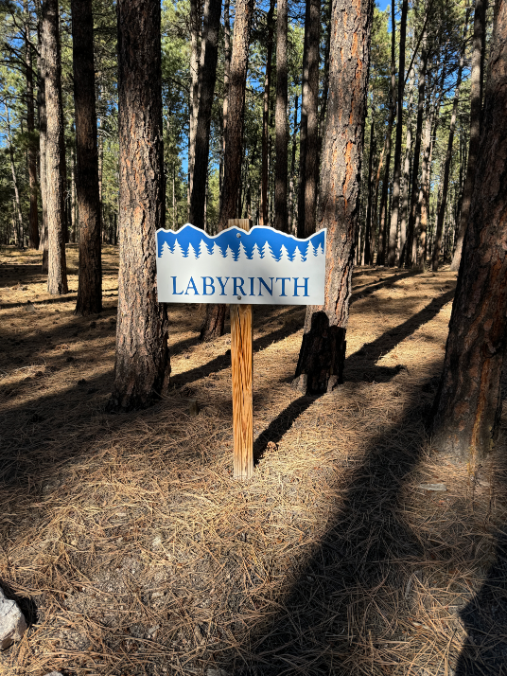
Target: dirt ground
{"x":133,"y":551}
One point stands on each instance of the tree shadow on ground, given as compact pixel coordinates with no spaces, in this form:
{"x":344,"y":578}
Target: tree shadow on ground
{"x":367,"y":289}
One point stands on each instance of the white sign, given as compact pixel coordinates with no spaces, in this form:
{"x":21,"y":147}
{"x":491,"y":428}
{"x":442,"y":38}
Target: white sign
{"x":260,"y":267}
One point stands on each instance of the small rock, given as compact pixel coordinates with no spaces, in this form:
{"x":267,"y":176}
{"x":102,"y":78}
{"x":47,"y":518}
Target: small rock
{"x":433,"y":487}
{"x":55,"y":673}
{"x":12,"y":622}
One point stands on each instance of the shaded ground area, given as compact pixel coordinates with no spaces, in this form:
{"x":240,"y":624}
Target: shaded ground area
{"x":134,"y":551}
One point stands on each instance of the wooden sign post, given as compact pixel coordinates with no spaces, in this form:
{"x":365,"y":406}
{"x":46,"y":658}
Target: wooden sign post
{"x":240,"y":266}
{"x":242,"y":381}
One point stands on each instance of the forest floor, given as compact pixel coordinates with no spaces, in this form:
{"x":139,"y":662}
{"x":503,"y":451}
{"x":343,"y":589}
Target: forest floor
{"x":133,"y":551}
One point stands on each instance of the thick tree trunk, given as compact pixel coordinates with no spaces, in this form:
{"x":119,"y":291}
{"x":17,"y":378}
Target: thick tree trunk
{"x":41,"y":101}
{"x":322,"y":355}
{"x":55,"y":149}
{"x":142,"y":357}
{"x":89,"y":295}
{"x":479,"y":46}
{"x":281,"y":143}
{"x":410,"y":250}
{"x":308,"y":150}
{"x":468,"y":403}
{"x":207,"y":77}
{"x":264,"y":217}
{"x":33,"y":227}
{"x":215,"y":314}
{"x":393,"y":229}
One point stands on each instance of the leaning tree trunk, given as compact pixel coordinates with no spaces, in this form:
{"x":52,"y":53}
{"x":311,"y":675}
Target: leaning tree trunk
{"x":207,"y":77}
{"x":468,"y":402}
{"x":89,"y":294}
{"x":142,"y":356}
{"x":309,"y":144}
{"x":479,"y":45}
{"x":215,"y":314}
{"x":393,"y":229}
{"x":281,"y":142}
{"x":33,"y":227}
{"x":322,"y":355}
{"x":55,"y":149}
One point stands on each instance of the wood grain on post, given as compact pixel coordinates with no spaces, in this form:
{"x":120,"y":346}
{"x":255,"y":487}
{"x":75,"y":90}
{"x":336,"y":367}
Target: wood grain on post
{"x":242,"y":381}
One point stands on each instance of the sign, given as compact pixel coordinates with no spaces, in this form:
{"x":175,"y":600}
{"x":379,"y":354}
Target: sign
{"x":260,"y":267}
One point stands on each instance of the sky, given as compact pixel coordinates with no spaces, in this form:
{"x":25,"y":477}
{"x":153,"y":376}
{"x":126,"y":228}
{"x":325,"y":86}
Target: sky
{"x":382,"y":4}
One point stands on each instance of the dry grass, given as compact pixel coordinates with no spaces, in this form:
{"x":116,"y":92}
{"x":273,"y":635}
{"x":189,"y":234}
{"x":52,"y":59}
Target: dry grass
{"x":135,"y":552}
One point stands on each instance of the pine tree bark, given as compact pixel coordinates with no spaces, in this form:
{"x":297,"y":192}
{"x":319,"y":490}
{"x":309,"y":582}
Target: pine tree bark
{"x":410,"y":250}
{"x":468,"y":402}
{"x":195,"y":30}
{"x":281,"y":142}
{"x":479,"y":46}
{"x":322,"y":355}
{"x":405,"y":203}
{"x":142,"y":358}
{"x":33,"y":227}
{"x":55,"y":149}
{"x":41,"y":106}
{"x":393,"y":229}
{"x":207,"y":78}
{"x":215,"y":314}
{"x":89,"y":295}
{"x":308,"y":149}
{"x":264,"y":216}
{"x":368,"y":249}
{"x":291,"y":213}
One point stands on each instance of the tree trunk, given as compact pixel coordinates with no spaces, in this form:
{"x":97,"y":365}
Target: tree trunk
{"x":308,"y":150}
{"x":393,"y":230}
{"x":322,"y":355}
{"x":195,"y":29}
{"x":89,"y":295}
{"x":215,"y":314}
{"x":142,"y":356}
{"x":264,"y":217}
{"x":207,"y":77}
{"x":405,"y":205}
{"x":41,"y":101}
{"x":367,"y":259}
{"x":55,"y":149}
{"x":410,"y":250}
{"x":225,"y":108}
{"x":479,"y":46}
{"x":33,"y":228}
{"x":281,"y":143}
{"x":468,"y":403}
{"x":291,"y":215}
{"x":447,"y":162}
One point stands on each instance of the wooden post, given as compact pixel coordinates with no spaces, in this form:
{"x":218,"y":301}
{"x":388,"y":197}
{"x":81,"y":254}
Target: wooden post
{"x":242,"y":381}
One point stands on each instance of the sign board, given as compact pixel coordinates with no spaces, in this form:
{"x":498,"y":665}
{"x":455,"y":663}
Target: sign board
{"x":260,"y":267}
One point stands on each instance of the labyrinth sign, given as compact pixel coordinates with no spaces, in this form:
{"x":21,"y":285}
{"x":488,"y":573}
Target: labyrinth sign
{"x":259,"y":267}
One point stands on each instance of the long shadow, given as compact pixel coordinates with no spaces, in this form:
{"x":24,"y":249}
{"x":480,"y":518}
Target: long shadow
{"x":362,"y":292}
{"x":341,"y":594}
{"x":49,"y":301}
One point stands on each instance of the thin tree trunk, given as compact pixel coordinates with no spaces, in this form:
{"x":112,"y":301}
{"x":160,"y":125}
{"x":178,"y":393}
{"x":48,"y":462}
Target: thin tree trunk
{"x":33,"y":228}
{"x":227,"y":68}
{"x":479,"y":46}
{"x":410,"y":250}
{"x":41,"y":100}
{"x":393,"y":230}
{"x":308,"y":150}
{"x":55,"y":151}
{"x":281,"y":143}
{"x":195,"y":29}
{"x":367,"y":258}
{"x":89,"y":294}
{"x":291,"y":215}
{"x":405,"y":204}
{"x":215,"y":314}
{"x":207,"y":77}
{"x":469,"y":400}
{"x":264,"y":219}
{"x":142,"y":357}
{"x":75,"y":227}
{"x":374,"y":214}
{"x":322,"y":355}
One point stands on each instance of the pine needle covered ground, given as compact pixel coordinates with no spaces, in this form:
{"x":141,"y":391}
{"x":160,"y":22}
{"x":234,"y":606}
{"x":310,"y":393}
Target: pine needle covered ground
{"x":133,"y":551}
